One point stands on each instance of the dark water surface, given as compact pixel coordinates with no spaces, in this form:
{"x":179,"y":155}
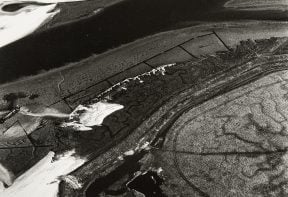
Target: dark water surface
{"x":119,"y":24}
{"x":130,"y":166}
{"x":148,"y":184}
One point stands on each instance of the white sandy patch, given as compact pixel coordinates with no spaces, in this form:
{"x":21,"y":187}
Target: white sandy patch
{"x":16,"y":26}
{"x":42,"y":180}
{"x":6,"y":176}
{"x":129,"y":153}
{"x":84,"y":117}
{"x":22,"y":22}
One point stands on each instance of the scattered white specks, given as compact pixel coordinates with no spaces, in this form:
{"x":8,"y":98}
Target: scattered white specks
{"x":137,"y":149}
{"x":122,"y":84}
{"x":142,"y":146}
{"x":145,"y":146}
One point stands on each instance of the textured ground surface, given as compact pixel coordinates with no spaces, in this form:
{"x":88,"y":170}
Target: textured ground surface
{"x":243,"y":141}
{"x":201,"y":153}
{"x":235,"y":144}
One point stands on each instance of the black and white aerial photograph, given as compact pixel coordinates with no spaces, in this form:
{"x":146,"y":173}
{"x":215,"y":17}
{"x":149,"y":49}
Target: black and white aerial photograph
{"x":143,"y":98}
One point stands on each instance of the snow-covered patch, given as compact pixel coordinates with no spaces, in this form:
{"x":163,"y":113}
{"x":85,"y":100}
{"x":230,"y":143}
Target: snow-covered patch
{"x":159,"y":170}
{"x":121,"y":158}
{"x":129,"y":153}
{"x":84,"y":117}
{"x":44,"y":177}
{"x":6,"y":176}
{"x":17,"y":24}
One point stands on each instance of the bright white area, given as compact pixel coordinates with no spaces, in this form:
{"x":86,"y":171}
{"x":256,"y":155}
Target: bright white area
{"x":15,"y":27}
{"x":42,"y":180}
{"x":84,"y":117}
{"x":6,"y":177}
{"x":22,"y":22}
